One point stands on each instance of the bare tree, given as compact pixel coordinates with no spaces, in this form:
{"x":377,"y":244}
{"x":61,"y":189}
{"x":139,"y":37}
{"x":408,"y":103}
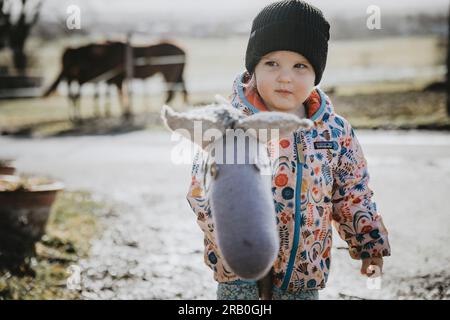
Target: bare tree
{"x":5,"y":24}
{"x":13,"y":34}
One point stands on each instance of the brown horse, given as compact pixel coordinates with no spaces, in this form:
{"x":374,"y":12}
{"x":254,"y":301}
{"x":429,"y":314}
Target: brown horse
{"x":105,"y":62}
{"x":84,"y":64}
{"x":165,"y":58}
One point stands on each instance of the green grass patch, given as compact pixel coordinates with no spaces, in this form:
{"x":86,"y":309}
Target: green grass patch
{"x":73,"y":223}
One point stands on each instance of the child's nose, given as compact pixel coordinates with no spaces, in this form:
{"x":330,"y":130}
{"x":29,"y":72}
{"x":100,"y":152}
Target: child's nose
{"x":284,"y":76}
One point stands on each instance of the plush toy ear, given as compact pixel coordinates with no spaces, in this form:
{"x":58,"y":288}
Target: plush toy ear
{"x":284,"y":122}
{"x":193,"y":124}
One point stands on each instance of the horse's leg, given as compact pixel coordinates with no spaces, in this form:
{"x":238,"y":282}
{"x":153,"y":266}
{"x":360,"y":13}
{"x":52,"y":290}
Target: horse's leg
{"x":108,"y":101}
{"x":96,"y":100}
{"x":126,"y":114}
{"x":72,"y":108}
{"x":185,"y":93}
{"x":77,"y":103}
{"x":175,"y":81}
{"x":121,"y":102}
{"x":182,"y":84}
{"x":171,"y":76}
{"x":146,"y":96}
{"x":170,"y":93}
{"x":72,"y":102}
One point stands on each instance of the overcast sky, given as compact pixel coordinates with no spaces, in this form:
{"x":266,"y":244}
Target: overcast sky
{"x":187,"y":10}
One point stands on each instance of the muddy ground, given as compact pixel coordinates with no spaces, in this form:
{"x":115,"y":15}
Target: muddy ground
{"x":151,"y":247}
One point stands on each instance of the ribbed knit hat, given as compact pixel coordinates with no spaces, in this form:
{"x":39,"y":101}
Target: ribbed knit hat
{"x":291,"y":25}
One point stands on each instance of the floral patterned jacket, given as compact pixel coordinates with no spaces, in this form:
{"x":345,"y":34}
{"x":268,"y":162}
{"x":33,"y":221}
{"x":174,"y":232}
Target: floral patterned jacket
{"x":319,"y":178}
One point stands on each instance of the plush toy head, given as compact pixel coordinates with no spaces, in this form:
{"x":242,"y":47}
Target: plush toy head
{"x":240,"y":179}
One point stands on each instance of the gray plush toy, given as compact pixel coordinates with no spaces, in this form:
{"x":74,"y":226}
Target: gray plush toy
{"x":240,"y":179}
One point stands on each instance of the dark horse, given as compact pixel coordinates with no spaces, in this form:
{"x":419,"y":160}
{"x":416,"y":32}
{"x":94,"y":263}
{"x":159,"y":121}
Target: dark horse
{"x":106,"y":63}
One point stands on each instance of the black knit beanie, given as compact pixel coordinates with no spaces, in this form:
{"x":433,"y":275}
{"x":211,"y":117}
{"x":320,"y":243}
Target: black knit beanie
{"x":291,"y":25}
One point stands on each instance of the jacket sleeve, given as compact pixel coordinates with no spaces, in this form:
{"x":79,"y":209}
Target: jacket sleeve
{"x":197,"y":193}
{"x":354,"y":213}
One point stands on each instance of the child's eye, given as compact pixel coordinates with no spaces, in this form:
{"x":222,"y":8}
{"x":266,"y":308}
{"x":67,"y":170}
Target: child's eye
{"x":271,"y":63}
{"x":300,"y":66}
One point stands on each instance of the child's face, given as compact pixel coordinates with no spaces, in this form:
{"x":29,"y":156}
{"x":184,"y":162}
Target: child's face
{"x":284,"y":80}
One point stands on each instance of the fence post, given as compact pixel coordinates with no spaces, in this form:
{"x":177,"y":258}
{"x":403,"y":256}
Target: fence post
{"x":128,"y":75}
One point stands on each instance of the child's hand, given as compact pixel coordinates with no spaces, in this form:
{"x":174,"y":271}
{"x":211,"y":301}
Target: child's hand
{"x":369,"y":266}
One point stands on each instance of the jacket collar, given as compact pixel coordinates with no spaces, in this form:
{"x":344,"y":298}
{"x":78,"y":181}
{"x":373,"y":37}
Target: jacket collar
{"x":316,"y":104}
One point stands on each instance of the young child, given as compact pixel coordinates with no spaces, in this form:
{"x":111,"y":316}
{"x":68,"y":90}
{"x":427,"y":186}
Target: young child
{"x":320,"y":176}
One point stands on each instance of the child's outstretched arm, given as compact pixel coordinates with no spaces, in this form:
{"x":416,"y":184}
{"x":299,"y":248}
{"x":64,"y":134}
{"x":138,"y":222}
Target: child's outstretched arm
{"x":354,"y":213}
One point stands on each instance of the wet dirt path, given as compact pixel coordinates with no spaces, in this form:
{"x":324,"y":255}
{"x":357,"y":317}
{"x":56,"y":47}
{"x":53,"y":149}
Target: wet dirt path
{"x":151,"y":247}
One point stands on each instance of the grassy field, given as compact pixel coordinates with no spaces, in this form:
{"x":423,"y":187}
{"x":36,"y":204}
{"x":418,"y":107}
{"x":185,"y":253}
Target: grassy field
{"x":72,"y":224}
{"x":214,"y":62}
{"x":395,"y":110}
{"x":388,"y":108}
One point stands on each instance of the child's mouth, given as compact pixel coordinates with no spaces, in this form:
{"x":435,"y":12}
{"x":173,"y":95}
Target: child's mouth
{"x":283,"y":93}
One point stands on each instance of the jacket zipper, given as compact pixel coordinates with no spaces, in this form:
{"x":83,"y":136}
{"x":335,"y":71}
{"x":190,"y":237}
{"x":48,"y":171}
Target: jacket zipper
{"x":298,"y":188}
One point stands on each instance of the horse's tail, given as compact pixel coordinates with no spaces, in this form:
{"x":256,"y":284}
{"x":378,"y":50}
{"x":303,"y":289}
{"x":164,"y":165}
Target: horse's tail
{"x":54,"y":85}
